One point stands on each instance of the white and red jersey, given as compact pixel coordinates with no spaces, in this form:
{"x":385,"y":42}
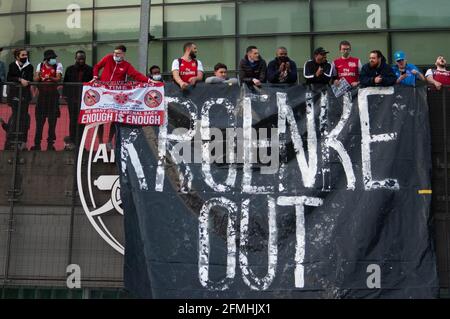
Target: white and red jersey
{"x":187,"y":69}
{"x":48,"y":72}
{"x":442,"y":77}
{"x":348,"y":68}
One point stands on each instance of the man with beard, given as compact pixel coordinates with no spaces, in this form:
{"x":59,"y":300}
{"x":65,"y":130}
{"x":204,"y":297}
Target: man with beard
{"x":187,"y":70}
{"x":439,"y":76}
{"x":377,"y":72}
{"x":80,"y":72}
{"x":282,"y":70}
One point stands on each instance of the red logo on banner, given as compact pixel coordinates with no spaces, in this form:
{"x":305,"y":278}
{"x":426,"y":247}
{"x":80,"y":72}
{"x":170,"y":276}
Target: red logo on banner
{"x":91,"y":97}
{"x":153,"y":99}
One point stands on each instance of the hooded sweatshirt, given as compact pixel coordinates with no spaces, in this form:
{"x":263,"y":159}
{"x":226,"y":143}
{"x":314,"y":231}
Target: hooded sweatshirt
{"x":113,"y":71}
{"x":368,"y":75}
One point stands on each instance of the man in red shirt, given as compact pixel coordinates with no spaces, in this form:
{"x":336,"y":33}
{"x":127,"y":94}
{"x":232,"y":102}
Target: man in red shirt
{"x":116,"y":69}
{"x":347,"y":67}
{"x":187,"y":70}
{"x":439,"y":76}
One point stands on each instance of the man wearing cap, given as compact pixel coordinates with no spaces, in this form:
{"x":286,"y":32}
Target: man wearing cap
{"x":406,"y":73}
{"x":439,"y":76}
{"x":48,"y":73}
{"x":318,"y":70}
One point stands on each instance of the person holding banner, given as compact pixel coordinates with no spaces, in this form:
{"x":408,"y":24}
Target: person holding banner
{"x":347,"y":67}
{"x":115,"y":68}
{"x":439,"y":76}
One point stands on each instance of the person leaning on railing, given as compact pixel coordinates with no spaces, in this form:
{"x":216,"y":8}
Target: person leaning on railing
{"x":48,"y":72}
{"x":20,"y":72}
{"x":439,"y":76}
{"x":115,"y":68}
{"x":80,"y":72}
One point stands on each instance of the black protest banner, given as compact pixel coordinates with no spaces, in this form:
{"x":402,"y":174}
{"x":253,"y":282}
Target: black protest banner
{"x":281,"y":192}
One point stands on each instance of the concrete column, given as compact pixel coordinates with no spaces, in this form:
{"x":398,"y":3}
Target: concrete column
{"x":144,"y":36}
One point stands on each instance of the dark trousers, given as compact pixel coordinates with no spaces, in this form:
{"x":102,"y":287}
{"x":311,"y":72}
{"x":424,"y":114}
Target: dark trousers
{"x":75,"y":129}
{"x":47,"y":108}
{"x":20,"y":133}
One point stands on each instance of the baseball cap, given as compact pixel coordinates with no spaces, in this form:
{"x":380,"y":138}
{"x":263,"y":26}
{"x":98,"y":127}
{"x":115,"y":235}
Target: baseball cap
{"x":399,"y":55}
{"x":320,"y":50}
{"x":49,"y":54}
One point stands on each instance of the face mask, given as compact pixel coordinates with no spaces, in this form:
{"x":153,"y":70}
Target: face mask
{"x":23,"y":60}
{"x":117,"y":58}
{"x":52,"y":61}
{"x":157,"y":77}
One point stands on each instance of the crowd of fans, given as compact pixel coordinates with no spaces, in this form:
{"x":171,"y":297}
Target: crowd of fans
{"x":51,"y":82}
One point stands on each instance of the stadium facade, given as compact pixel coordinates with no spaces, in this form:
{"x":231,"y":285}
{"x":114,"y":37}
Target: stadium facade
{"x":223,"y":29}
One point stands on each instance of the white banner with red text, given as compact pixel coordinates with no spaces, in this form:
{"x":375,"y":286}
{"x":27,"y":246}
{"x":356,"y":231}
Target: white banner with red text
{"x":122,"y":102}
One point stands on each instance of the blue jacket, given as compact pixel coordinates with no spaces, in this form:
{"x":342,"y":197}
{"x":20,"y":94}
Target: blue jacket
{"x":410,"y":80}
{"x":368,"y":75}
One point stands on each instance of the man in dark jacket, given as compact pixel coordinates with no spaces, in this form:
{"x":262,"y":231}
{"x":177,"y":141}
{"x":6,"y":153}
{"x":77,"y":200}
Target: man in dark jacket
{"x":252,"y":68}
{"x":80,"y":72}
{"x":282,"y":70}
{"x":21,"y":72}
{"x":318,"y":70}
{"x":377,"y":72}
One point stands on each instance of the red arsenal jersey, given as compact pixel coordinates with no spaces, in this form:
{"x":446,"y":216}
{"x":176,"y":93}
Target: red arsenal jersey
{"x":442,"y":77}
{"x":348,"y":69}
{"x":47,"y":72}
{"x":188,"y":70}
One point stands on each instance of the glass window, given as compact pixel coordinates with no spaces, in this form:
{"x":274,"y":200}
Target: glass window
{"x":9,"y":6}
{"x":210,"y":52}
{"x":12,"y":31}
{"x":362,"y":44}
{"x":66,"y":54}
{"x":184,"y":1}
{"x":273,"y":17}
{"x":111,"y":25}
{"x":113,"y":3}
{"x":39,"y":5}
{"x":155,"y":54}
{"x":199,"y":20}
{"x":419,"y":13}
{"x":298,"y":47}
{"x":131,"y":55}
{"x":332,"y":15}
{"x":58,"y":27}
{"x":156,"y":22}
{"x":422,"y":47}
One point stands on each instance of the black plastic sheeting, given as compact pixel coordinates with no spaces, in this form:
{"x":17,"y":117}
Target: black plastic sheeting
{"x":317,"y":233}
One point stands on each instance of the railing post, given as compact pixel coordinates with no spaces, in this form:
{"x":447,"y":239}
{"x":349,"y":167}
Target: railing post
{"x":13,"y":192}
